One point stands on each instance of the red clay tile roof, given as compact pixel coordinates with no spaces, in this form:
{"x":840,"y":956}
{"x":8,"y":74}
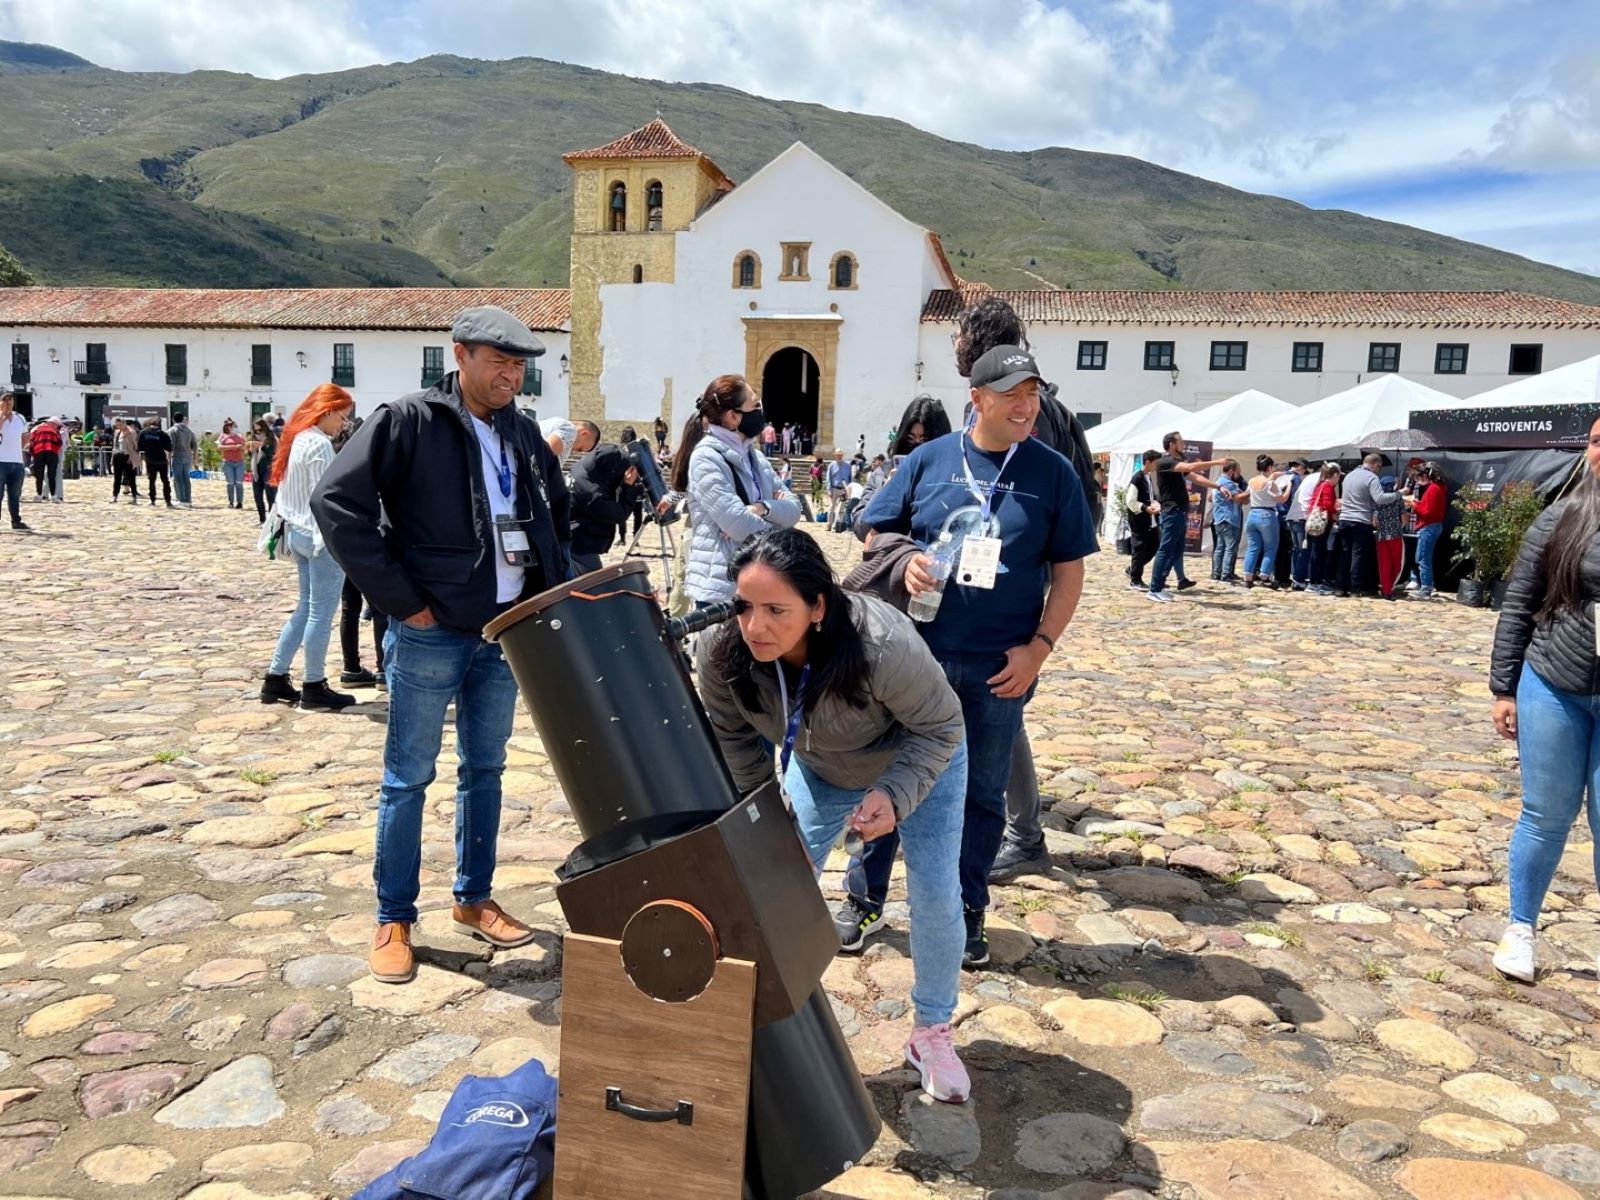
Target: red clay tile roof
{"x":1423,"y":309}
{"x":655,"y":140}
{"x":277,"y":308}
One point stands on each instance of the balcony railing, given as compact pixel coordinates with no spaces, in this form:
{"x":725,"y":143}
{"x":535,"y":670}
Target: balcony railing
{"x":344,"y":376}
{"x":95,"y":370}
{"x":431,"y":376}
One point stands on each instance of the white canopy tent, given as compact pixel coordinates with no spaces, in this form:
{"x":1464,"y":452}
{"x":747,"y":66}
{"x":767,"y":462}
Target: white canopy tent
{"x":1142,"y":428}
{"x":1575,"y":383}
{"x":1216,"y":423}
{"x":1341,"y":419}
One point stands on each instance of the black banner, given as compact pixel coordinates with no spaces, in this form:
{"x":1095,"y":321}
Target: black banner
{"x":1524,"y":427}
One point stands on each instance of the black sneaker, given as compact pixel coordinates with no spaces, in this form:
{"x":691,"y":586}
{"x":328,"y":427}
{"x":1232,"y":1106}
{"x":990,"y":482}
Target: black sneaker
{"x":976,"y":953}
{"x":360,"y":677}
{"x":22,"y":527}
{"x":1014,"y":860}
{"x":853,"y":921}
{"x":1185,"y":584}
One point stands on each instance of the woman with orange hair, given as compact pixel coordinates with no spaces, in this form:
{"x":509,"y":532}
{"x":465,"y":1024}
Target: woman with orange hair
{"x":304,"y":454}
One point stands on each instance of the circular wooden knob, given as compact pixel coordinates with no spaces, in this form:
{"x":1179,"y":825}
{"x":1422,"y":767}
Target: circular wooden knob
{"x":669,"y":951}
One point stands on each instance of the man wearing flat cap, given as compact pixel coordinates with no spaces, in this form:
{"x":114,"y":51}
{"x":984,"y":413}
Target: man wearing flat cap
{"x":445,"y":509}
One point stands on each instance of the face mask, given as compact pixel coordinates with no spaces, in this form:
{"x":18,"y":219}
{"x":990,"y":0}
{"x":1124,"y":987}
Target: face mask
{"x":752,"y":423}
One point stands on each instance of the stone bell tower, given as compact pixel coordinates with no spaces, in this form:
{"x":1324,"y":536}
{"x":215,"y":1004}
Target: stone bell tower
{"x":629,"y":198}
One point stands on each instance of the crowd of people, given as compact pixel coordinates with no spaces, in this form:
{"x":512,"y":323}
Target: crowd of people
{"x":1303,"y":528}
{"x":129,"y":449}
{"x":889,"y":705}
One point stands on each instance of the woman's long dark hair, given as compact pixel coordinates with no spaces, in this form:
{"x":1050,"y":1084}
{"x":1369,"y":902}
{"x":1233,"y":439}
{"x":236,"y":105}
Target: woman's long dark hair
{"x":980,"y":328}
{"x":1575,"y":531}
{"x":836,"y":654}
{"x":723,"y":394}
{"x":924,"y":411}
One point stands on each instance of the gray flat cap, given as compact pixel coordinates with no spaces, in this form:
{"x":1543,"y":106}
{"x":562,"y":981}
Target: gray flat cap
{"x":489,"y":325}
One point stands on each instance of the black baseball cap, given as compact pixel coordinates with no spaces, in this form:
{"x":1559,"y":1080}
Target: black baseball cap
{"x":1003,"y":367}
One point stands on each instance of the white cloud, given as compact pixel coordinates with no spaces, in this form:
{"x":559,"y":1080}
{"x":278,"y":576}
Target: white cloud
{"x":269,"y":38}
{"x":1556,"y":127}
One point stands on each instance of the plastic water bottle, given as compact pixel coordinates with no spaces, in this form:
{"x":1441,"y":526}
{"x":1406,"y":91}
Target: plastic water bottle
{"x":924,"y":606}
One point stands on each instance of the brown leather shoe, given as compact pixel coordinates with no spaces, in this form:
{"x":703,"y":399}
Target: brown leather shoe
{"x":390,"y":960}
{"x":490,"y":922}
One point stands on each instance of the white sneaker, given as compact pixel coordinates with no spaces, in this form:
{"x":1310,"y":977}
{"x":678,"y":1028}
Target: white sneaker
{"x":1514,"y":956}
{"x":1160,"y":597}
{"x":932,"y":1051}
{"x":1413,"y":586}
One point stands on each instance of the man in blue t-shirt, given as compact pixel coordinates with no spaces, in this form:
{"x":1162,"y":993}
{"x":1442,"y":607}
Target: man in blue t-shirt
{"x":968,"y":495}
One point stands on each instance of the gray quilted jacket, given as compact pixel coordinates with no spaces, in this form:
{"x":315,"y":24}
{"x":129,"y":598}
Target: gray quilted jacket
{"x":1562,"y":649}
{"x":719,"y":522}
{"x":900,"y":743}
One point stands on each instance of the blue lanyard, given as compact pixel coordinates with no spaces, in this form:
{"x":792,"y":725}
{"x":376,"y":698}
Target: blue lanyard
{"x":985,"y":499}
{"x":503,"y":471}
{"x":792,"y":729}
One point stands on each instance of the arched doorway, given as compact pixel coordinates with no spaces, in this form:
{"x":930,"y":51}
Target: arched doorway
{"x":791,"y":388}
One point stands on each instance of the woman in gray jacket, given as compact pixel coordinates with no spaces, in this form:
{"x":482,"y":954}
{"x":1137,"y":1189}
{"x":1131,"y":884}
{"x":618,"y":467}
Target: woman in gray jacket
{"x":870,"y":737}
{"x":732,"y":494}
{"x":1545,"y":676}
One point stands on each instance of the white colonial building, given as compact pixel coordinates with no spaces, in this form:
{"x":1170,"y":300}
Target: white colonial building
{"x":97,"y":352}
{"x":839,"y":309}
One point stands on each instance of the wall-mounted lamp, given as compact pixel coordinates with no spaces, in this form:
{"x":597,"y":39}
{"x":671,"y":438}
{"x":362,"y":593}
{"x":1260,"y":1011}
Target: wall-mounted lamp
{"x":300,"y":357}
{"x":55,"y":355}
{"x":563,"y":366}
{"x":1174,"y":374}
{"x":919,"y":370}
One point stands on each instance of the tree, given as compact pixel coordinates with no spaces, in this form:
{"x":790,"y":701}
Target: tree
{"x":12,"y":272}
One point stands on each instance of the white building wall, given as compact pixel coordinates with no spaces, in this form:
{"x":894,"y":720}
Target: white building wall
{"x":1125,"y":385}
{"x":693,"y":330}
{"x":388,"y":364}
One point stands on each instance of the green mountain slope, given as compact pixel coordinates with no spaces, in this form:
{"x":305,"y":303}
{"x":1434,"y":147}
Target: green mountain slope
{"x":458,"y":164}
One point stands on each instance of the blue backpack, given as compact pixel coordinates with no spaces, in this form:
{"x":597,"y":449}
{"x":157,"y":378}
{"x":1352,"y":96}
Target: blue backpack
{"x":496,"y":1141}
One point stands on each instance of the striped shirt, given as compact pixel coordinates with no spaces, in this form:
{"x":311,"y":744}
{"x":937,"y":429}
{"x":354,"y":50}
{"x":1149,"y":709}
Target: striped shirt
{"x":309,"y":457}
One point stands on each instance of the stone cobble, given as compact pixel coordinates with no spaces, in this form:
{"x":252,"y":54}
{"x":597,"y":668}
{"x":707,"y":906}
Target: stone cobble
{"x":1278,"y":826}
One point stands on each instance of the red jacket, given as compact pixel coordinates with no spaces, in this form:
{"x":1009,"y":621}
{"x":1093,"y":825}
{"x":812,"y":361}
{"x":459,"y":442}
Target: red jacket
{"x":46,"y":438}
{"x":1324,"y":495}
{"x":1430,"y":506}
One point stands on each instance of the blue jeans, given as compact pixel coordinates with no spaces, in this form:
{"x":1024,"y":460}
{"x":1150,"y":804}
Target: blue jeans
{"x":180,"y":479}
{"x":11,"y":477}
{"x":1169,"y":555}
{"x":1299,"y":552}
{"x":1558,"y":739}
{"x":991,"y":726}
{"x":1427,"y":543}
{"x":426,"y":670}
{"x":311,"y":623}
{"x":1260,"y":542}
{"x":233,"y":472}
{"x":1224,"y":549}
{"x":932,"y":838}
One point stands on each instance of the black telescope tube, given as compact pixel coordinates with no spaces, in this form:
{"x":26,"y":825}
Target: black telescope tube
{"x":628,"y":739}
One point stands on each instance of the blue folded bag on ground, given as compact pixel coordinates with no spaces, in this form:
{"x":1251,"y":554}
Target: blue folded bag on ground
{"x":496,"y":1141}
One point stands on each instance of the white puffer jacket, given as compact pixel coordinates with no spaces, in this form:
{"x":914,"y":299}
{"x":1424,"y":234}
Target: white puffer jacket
{"x":719,"y":522}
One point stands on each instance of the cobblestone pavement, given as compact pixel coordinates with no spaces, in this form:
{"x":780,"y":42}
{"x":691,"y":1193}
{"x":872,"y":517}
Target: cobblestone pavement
{"x":1259,"y":969}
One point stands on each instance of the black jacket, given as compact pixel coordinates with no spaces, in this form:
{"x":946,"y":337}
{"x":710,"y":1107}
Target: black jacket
{"x":1060,"y":430}
{"x":1562,"y":649}
{"x":597,"y":508}
{"x":1141,"y":523}
{"x":405,"y":512}
{"x":154,"y":447}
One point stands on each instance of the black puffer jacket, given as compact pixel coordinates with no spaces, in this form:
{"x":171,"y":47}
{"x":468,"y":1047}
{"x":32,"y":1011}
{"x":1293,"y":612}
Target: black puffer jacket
{"x":1561,"y":649}
{"x":1059,"y":429}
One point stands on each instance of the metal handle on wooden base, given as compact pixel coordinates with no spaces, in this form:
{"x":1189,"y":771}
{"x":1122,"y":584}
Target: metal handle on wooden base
{"x":682,"y":1113}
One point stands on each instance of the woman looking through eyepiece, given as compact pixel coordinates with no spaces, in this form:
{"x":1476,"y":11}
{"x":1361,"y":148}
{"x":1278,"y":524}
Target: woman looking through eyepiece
{"x":871,"y":738}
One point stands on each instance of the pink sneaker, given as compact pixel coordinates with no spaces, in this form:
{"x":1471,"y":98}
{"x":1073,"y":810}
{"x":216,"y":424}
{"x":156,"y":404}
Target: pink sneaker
{"x":932,"y":1051}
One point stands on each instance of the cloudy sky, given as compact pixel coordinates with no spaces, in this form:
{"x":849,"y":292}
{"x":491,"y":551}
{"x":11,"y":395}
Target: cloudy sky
{"x":1478,"y":118}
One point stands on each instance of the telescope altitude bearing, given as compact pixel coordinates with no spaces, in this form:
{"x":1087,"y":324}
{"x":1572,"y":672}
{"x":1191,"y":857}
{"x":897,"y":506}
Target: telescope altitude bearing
{"x":670,"y":951}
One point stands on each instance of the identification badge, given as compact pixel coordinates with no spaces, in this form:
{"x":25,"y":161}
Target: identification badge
{"x":512,"y":539}
{"x":980,"y":562}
